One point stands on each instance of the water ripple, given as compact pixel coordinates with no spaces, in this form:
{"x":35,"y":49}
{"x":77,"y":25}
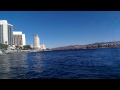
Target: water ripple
{"x":70,"y":64}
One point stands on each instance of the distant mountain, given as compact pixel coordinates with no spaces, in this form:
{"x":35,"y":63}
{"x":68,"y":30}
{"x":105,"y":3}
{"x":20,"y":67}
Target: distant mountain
{"x":94,"y":45}
{"x":69,"y":47}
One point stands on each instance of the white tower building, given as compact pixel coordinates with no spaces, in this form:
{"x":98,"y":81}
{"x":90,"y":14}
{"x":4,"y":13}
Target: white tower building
{"x":36,"y":42}
{"x":6,"y":32}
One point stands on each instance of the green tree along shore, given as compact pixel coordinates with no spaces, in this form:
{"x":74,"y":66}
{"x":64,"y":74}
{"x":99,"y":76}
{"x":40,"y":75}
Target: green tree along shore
{"x":26,"y":47}
{"x":3,"y":46}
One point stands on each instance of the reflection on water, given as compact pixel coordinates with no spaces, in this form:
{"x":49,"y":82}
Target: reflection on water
{"x":9,"y":62}
{"x":4,"y":66}
{"x":19,"y":65}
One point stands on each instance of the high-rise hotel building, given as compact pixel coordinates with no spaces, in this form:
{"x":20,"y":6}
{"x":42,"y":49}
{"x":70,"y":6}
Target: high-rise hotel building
{"x":10,"y":37}
{"x":6,"y":32}
{"x":18,"y":38}
{"x":36,"y":42}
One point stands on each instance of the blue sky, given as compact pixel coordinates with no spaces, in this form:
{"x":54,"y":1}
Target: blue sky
{"x":63,"y":28}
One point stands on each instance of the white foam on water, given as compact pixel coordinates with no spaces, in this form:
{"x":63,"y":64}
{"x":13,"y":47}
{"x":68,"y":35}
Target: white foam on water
{"x":1,"y":52}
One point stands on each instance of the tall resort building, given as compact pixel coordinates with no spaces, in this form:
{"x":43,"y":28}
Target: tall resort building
{"x":36,"y":42}
{"x":6,"y":32}
{"x":18,"y":38}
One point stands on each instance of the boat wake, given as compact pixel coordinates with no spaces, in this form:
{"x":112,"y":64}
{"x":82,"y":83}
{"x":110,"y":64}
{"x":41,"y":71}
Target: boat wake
{"x":1,"y":53}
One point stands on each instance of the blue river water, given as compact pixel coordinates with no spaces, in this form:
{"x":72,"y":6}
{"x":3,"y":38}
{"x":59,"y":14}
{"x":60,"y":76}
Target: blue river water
{"x":68,"y":64}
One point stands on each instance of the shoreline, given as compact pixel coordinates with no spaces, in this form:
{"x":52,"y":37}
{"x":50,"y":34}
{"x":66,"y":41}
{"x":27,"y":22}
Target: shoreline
{"x":84,"y":48}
